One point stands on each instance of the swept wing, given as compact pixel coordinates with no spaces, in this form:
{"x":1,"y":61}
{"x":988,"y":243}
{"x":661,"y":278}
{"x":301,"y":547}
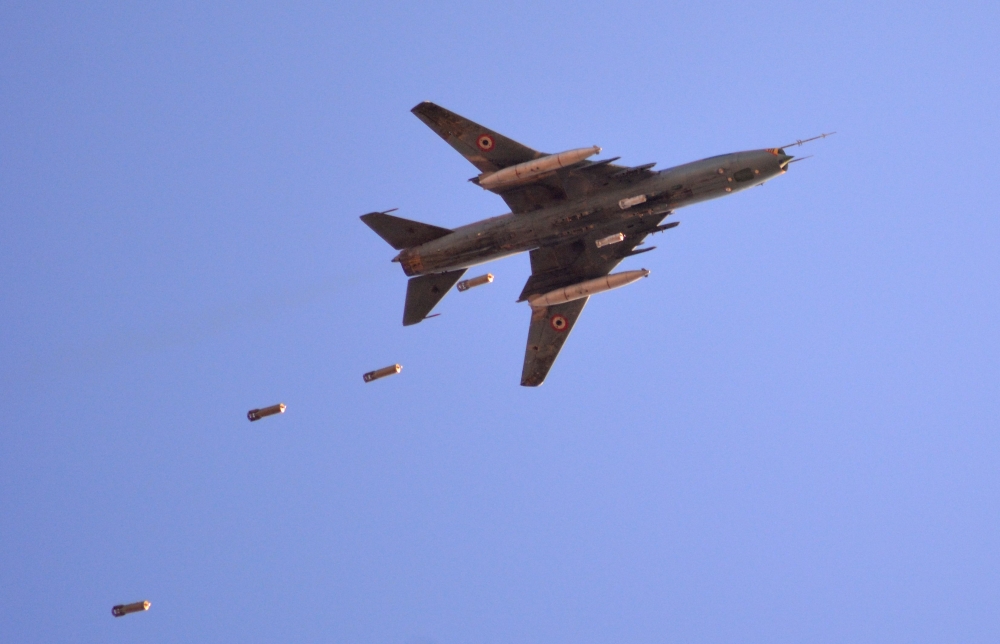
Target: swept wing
{"x":554,"y":267}
{"x":490,"y":151}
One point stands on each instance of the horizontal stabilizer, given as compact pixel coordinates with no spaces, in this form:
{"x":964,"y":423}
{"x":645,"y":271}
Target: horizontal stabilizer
{"x":402,"y":233}
{"x":424,"y":292}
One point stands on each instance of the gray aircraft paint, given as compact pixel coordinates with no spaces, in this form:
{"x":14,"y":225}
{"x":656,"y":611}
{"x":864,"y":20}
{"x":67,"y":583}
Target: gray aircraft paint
{"x":558,"y":218}
{"x":668,"y":190}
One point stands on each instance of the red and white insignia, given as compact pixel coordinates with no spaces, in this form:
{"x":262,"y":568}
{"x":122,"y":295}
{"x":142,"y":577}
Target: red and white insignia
{"x":559,"y":323}
{"x":485,"y":142}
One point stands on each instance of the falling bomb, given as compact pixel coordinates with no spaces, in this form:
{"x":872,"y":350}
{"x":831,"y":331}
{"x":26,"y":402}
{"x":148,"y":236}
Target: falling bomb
{"x":257,"y":414}
{"x":465,"y":285}
{"x":124,"y":609}
{"x":391,"y":370}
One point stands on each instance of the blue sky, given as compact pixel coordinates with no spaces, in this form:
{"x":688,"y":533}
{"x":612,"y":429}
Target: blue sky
{"x":788,"y":433}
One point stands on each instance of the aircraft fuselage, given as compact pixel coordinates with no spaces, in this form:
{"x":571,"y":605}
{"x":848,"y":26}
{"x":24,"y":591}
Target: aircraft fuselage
{"x":617,"y":207}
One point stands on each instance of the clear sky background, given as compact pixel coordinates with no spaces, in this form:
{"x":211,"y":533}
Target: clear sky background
{"x":788,"y":433}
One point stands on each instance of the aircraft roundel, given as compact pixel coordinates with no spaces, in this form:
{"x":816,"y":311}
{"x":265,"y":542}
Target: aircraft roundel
{"x":485,"y":142}
{"x":558,"y":323}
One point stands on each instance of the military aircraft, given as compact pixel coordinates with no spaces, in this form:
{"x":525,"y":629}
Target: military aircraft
{"x":577,"y":218}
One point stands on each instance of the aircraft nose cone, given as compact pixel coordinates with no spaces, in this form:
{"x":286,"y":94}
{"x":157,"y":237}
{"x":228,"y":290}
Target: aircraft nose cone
{"x":784,"y":159}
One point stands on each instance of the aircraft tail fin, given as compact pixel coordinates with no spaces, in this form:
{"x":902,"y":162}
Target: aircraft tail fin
{"x":424,"y":292}
{"x":402,"y":233}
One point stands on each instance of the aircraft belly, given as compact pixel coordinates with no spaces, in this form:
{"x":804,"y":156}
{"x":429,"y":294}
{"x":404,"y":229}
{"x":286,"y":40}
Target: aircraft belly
{"x":507,"y":235}
{"x":486,"y":258}
{"x":451,"y":259}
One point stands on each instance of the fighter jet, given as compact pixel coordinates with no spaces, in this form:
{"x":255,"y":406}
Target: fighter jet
{"x":577,"y":218}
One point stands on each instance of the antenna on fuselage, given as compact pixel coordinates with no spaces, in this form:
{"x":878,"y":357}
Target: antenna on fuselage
{"x":799,"y":142}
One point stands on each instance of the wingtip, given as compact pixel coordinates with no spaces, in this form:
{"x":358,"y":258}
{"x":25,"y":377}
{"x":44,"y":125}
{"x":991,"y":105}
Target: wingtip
{"x":368,"y":215}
